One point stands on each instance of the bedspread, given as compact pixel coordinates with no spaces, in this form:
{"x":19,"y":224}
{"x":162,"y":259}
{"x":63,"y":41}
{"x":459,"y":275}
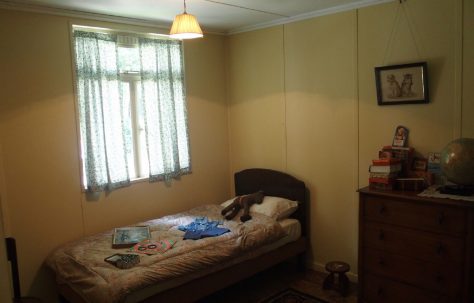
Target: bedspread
{"x":81,"y":264}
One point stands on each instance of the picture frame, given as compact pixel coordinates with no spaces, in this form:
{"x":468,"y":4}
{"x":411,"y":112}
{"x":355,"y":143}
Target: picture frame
{"x":402,"y":84}
{"x":420,"y":164}
{"x":400,"y":138}
{"x":434,"y":162}
{"x":434,"y":158}
{"x":128,"y":236}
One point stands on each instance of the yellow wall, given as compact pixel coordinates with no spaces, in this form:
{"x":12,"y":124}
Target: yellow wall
{"x":320,"y":88}
{"x":256,"y":100}
{"x":40,"y":148}
{"x":432,"y":38}
{"x":468,"y":70}
{"x":301,"y":98}
{"x":333,"y":126}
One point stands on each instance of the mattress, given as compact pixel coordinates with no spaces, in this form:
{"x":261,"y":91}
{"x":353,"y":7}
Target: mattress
{"x":80,"y":264}
{"x":292,"y":228}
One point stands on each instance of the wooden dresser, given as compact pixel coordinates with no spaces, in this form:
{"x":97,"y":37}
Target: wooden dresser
{"x":415,"y":250}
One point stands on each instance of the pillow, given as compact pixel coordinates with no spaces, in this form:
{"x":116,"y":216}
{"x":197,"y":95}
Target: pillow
{"x":274,"y":207}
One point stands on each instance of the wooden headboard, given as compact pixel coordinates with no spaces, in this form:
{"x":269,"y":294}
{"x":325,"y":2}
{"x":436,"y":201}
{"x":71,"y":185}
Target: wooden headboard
{"x":274,"y":183}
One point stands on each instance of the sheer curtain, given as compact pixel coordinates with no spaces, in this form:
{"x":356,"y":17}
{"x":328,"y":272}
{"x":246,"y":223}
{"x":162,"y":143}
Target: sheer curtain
{"x":107,"y":133}
{"x":104,"y":137}
{"x":164,"y":106}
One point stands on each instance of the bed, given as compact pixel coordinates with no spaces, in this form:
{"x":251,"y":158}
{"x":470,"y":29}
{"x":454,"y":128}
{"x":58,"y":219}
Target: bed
{"x":216,"y":262}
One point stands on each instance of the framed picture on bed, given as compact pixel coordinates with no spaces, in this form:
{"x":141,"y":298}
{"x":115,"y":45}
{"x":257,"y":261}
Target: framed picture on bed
{"x":129,"y":236}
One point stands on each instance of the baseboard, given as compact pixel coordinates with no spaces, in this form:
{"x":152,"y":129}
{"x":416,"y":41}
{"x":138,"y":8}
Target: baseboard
{"x":321,"y":268}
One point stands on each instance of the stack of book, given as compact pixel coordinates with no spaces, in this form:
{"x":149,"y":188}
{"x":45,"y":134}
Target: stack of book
{"x":404,"y":154}
{"x":384,"y":172}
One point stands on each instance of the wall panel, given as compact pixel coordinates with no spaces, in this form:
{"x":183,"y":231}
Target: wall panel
{"x":256,"y":100}
{"x":333,"y":126}
{"x":468,"y":70}
{"x":423,"y":30}
{"x":320,"y":87}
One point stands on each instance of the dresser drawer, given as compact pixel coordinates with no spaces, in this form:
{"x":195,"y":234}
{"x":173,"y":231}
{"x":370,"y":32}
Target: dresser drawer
{"x":446,"y":279}
{"x":417,"y":244}
{"x":378,"y":289}
{"x":435,"y":218}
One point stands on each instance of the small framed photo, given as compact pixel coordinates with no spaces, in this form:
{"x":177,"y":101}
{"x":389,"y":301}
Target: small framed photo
{"x":402,"y":84}
{"x":400,"y":138}
{"x":434,"y":163}
{"x":420,"y":164}
{"x":434,"y":158}
{"x":129,"y":236}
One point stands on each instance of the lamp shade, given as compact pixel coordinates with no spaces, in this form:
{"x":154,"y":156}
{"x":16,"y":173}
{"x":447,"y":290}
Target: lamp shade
{"x":185,"y":26}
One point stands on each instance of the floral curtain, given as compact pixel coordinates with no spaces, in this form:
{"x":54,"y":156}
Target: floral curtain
{"x":105,"y":115}
{"x":164,"y":106}
{"x":103,"y":135}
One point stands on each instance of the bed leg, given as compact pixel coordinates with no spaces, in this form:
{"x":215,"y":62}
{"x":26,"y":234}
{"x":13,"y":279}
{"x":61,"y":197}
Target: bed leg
{"x":301,"y":262}
{"x":62,"y":299}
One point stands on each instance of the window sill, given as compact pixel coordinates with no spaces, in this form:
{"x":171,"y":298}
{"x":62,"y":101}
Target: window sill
{"x":138,"y":180}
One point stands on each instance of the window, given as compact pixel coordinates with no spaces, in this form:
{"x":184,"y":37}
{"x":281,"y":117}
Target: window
{"x":131,"y":107}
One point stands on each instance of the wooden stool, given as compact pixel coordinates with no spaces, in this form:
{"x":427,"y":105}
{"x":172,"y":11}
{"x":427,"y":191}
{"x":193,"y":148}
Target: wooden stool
{"x":340,"y":268}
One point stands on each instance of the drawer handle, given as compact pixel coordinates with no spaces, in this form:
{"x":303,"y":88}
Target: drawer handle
{"x":381,"y":235}
{"x":441,"y":218}
{"x":381,"y":262}
{"x":382,"y":209}
{"x":380,"y":291}
{"x":439,"y":249}
{"x":439,"y":278}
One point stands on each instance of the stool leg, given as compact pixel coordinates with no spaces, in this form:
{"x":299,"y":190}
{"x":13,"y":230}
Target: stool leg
{"x":329,"y":281}
{"x":343,"y":284}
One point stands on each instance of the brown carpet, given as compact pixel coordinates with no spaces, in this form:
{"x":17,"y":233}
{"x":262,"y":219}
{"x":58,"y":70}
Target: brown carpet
{"x":291,"y":295}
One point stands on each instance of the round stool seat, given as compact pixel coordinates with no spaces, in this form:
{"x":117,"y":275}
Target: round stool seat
{"x":341,"y":284}
{"x":337,"y":267}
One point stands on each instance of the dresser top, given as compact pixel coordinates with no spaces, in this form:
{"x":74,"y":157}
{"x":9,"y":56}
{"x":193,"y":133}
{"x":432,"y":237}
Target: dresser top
{"x":412,"y":195}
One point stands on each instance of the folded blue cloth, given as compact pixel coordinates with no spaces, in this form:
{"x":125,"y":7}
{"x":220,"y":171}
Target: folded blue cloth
{"x":200,"y":223}
{"x":201,"y":228}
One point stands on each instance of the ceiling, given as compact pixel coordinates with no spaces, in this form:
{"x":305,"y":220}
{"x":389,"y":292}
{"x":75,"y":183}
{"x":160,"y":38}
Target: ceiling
{"x":218,"y":16}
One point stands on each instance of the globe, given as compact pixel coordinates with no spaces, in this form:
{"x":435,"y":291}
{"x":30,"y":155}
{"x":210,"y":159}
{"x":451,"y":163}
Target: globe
{"x":457,"y":161}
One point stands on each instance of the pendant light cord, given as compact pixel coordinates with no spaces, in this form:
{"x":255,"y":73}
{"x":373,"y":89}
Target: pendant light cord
{"x":185,"y":6}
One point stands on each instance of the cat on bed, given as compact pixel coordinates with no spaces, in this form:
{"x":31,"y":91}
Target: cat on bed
{"x":244,"y":202}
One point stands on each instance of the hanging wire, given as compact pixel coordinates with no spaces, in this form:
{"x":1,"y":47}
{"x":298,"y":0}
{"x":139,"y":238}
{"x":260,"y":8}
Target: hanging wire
{"x":247,"y":8}
{"x":403,"y":10}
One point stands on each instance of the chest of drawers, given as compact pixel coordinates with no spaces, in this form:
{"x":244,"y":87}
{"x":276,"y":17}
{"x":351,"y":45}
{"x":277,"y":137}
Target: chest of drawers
{"x":415,"y":250}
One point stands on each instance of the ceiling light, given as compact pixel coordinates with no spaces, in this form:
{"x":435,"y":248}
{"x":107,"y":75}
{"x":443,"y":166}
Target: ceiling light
{"x":185,"y":26}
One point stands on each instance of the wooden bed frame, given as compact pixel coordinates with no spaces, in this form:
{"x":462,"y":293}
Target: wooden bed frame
{"x":273,"y":183}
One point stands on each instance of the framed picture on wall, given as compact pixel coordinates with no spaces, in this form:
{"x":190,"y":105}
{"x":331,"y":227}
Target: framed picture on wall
{"x":402,"y":84}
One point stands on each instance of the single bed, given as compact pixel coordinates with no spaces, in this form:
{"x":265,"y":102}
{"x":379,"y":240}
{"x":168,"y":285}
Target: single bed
{"x":262,"y":243}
